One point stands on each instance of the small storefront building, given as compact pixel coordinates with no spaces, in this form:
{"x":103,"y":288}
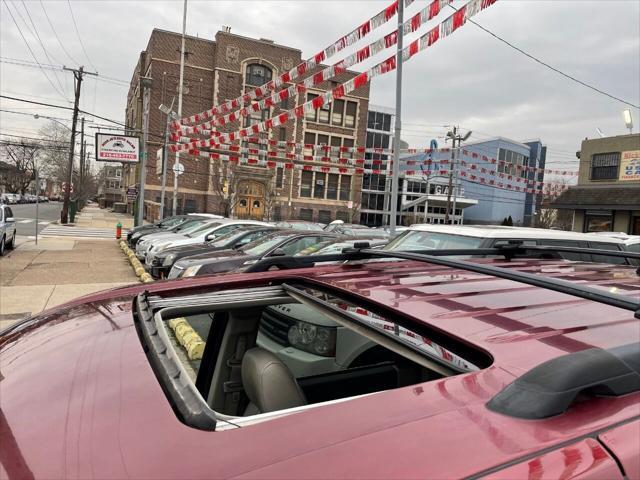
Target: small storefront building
{"x":607,"y":196}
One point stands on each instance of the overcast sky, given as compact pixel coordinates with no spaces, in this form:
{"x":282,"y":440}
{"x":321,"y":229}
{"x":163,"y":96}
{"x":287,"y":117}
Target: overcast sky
{"x":469,"y":78}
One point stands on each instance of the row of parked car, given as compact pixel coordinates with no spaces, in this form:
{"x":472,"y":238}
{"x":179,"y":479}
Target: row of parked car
{"x":333,"y":352}
{"x":190,"y":245}
{"x":195,"y":245}
{"x":16,"y":198}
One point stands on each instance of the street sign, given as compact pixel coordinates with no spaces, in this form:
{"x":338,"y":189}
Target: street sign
{"x":178,"y":169}
{"x":117,"y":148}
{"x":132,"y":193}
{"x":159,"y":158}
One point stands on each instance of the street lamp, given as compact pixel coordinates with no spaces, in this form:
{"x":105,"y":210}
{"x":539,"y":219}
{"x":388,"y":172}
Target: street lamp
{"x":37,"y":116}
{"x":628,"y":120}
{"x":171,"y":115}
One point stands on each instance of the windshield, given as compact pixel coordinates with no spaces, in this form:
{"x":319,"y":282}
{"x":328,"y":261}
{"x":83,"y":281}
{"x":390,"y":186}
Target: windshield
{"x":171,"y":222}
{"x":228,"y":238}
{"x":420,"y":240}
{"x":263,"y":245}
{"x":186,"y":226}
{"x":207,"y":226}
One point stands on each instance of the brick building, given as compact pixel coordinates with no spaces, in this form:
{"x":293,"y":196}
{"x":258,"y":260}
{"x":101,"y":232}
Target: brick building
{"x":220,"y":70}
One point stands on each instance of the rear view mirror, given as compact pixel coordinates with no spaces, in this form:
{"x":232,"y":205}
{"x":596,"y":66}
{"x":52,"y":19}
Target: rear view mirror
{"x":278,"y":252}
{"x":210,"y":237}
{"x":10,"y":220}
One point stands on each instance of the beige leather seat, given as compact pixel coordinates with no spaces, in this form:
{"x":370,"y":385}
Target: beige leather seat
{"x":268,"y":383}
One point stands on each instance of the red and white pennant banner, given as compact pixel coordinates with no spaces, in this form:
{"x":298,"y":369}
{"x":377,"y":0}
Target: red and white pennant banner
{"x":349,"y":39}
{"x":517,"y":167}
{"x":446,"y":28}
{"x":360,"y":56}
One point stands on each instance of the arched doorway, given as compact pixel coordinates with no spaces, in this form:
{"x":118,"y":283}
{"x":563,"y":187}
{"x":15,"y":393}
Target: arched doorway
{"x":250,"y":196}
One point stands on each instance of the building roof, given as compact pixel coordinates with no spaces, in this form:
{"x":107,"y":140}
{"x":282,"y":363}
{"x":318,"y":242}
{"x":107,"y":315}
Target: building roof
{"x":602,"y":197}
{"x":495,"y":139}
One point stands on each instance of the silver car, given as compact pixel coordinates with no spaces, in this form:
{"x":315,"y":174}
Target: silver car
{"x":7,"y":229}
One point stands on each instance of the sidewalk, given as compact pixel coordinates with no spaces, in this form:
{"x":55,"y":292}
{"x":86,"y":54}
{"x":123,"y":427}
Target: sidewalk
{"x":93,"y":216}
{"x":36,"y":277}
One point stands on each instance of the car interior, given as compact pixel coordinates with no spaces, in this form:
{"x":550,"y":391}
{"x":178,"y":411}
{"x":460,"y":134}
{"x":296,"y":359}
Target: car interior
{"x":239,"y":380}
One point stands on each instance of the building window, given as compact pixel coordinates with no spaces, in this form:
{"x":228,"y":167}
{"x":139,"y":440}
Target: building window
{"x":320,"y":179}
{"x":379,"y":121}
{"x":342,"y":215}
{"x":350,"y":114}
{"x":279,"y":177}
{"x":598,"y":223}
{"x":306,"y":184}
{"x":306,"y":214}
{"x":312,"y":115}
{"x":282,"y":134}
{"x":324,"y":113}
{"x":338,"y":113}
{"x":257,"y":117}
{"x":324,"y":216}
{"x":332,"y":186}
{"x":257,"y":75}
{"x":345,"y":187}
{"x":604,"y":166}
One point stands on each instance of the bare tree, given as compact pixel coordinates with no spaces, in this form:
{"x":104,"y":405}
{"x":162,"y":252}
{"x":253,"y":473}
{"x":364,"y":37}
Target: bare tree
{"x":21,"y":158}
{"x":55,"y":161}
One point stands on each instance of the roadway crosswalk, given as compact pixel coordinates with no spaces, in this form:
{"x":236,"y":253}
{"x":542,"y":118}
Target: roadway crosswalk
{"x":64,"y":231}
{"x":30,"y":220}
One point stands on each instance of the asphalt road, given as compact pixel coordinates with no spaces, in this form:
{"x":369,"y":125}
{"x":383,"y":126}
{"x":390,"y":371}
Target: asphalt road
{"x":25,"y":215}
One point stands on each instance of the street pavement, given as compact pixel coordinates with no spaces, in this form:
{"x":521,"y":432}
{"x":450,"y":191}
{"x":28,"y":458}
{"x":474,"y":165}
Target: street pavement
{"x":25,"y":215}
{"x":35,"y":277}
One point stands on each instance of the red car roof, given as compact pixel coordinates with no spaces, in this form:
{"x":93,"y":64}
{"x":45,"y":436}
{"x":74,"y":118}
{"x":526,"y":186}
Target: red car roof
{"x":79,"y":398}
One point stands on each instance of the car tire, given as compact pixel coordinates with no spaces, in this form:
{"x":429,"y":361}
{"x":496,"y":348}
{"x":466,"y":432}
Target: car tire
{"x":12,"y":244}
{"x":2,"y":246}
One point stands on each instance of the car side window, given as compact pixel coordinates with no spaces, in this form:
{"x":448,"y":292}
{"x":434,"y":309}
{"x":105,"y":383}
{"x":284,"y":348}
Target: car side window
{"x":1,"y":214}
{"x":224,"y":230}
{"x":569,"y":243}
{"x":607,"y":258}
{"x":299,"y":244}
{"x":8,"y":213}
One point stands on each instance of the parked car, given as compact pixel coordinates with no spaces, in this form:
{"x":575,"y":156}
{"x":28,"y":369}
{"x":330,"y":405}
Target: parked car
{"x":207,"y":233}
{"x":428,"y":236}
{"x":8,"y":199}
{"x":7,"y":229}
{"x":342,"y":226}
{"x":162,"y":263}
{"x":479,"y":369}
{"x":185,"y":228}
{"x":170,"y":224}
{"x":281,"y":243}
{"x":337,"y":245}
{"x":299,"y":225}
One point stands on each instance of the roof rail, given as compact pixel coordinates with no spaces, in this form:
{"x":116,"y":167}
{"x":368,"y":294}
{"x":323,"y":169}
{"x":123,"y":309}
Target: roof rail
{"x":551,"y":388}
{"x":434,"y":257}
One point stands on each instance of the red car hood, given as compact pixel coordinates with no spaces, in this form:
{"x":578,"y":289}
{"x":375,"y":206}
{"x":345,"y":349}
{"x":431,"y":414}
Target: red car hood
{"x":79,"y":399}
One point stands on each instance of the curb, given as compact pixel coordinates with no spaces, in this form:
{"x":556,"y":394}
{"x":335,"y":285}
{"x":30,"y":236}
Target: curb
{"x":139,"y":270}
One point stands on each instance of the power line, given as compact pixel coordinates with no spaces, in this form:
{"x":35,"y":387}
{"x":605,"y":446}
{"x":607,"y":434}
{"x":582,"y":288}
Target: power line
{"x":63,"y":108}
{"x":37,"y":36}
{"x":30,"y":50}
{"x":24,"y":63}
{"x":545,"y":64}
{"x":56,"y":35}
{"x":75,"y":25}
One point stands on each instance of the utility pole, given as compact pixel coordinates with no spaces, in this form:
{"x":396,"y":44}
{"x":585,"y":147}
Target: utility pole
{"x":145,"y":84}
{"x":395,"y":175}
{"x":77,"y":75}
{"x":81,"y":161}
{"x":451,"y":167}
{"x":165,"y":153}
{"x":176,"y":164}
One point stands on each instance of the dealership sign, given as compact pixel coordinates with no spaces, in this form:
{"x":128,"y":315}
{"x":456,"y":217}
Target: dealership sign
{"x":117,"y":148}
{"x":630,"y":166}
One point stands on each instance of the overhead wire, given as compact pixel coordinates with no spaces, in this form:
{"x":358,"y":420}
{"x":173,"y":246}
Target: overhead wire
{"x":55,"y":33}
{"x":547,"y":65}
{"x":75,"y":25}
{"x":31,"y":50}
